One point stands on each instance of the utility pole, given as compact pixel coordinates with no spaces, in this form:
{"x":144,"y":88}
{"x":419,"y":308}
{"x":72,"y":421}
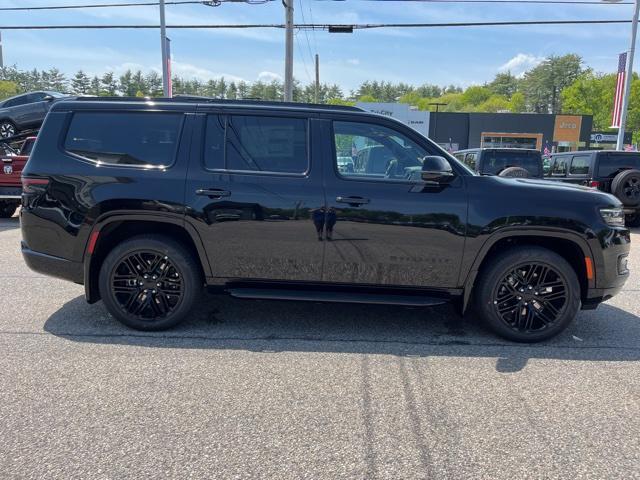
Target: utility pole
{"x":288,"y":58}
{"x":317,"y":77}
{"x":165,"y":59}
{"x":1,"y":61}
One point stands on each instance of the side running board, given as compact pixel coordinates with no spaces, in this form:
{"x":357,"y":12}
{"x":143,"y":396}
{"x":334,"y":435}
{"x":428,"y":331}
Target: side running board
{"x":339,"y":297}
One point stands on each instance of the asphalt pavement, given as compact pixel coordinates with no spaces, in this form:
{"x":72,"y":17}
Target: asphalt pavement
{"x":286,"y":390}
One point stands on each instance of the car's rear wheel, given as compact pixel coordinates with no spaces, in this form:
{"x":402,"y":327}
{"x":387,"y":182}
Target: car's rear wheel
{"x":150,"y":283}
{"x":528,"y":294}
{"x":7,"y":209}
{"x":626,"y":186}
{"x":7,"y":129}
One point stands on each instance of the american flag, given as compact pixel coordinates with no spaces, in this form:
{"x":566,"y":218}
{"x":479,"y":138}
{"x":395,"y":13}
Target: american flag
{"x":617,"y":104}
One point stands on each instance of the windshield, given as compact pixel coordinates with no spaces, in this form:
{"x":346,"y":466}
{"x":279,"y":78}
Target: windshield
{"x":493,"y":162}
{"x":612,"y":163}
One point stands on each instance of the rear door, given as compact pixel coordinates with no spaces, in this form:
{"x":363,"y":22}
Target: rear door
{"x":252,"y":189}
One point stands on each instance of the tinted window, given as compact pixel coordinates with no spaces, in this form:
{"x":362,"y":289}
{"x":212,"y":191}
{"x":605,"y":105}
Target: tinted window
{"x":265,"y":144}
{"x":610,"y":164}
{"x":373,"y":152}
{"x":494,"y":161}
{"x":214,"y":142}
{"x":36,"y":97}
{"x":580,"y":165}
{"x":121,"y":138}
{"x":14,"y":102}
{"x":559,"y":166}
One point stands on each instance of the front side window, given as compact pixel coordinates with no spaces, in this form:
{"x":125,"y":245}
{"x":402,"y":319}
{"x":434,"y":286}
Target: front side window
{"x":125,"y":138}
{"x":559,"y":167}
{"x":366,"y":151}
{"x":579,"y":165}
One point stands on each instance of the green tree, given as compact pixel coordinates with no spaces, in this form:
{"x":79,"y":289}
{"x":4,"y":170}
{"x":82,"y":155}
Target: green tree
{"x":108,"y":83}
{"x":80,"y":83}
{"x":517,"y":103}
{"x":504,"y":84}
{"x":125,"y":84}
{"x":8,"y":89}
{"x":542,"y":86}
{"x":95,"y":88}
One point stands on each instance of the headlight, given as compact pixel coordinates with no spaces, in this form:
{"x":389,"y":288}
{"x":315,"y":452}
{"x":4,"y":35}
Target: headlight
{"x":613,"y":216}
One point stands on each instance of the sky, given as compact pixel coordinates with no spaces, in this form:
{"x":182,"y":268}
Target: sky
{"x":442,"y":56}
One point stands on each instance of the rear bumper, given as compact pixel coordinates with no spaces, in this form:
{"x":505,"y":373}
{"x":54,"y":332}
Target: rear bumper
{"x":53,"y":266}
{"x":10,"y":192}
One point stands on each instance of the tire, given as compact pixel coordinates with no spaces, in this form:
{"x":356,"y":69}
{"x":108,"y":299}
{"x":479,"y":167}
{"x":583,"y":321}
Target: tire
{"x":633,"y":220}
{"x":515,"y":172}
{"x":7,"y":209}
{"x":508,"y":305}
{"x":7,"y":129}
{"x":626,"y":186}
{"x":172,"y":284}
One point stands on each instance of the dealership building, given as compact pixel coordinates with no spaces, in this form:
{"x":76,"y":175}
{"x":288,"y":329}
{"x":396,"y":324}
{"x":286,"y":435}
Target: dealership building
{"x":458,"y":131}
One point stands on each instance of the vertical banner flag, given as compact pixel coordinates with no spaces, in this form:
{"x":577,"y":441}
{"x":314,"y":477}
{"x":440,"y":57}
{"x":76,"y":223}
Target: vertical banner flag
{"x":617,"y":103}
{"x":169,"y":67}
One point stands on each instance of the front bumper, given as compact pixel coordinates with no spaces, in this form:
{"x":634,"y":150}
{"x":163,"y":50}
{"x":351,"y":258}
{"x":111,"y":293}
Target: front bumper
{"x":53,"y":266}
{"x":610,"y":274}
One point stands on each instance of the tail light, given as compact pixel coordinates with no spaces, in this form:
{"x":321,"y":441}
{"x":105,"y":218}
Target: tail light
{"x":594,"y":184}
{"x":34,"y":185}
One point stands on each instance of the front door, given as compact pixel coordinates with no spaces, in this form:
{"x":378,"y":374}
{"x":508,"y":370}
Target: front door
{"x":384,"y":225}
{"x":252,"y":191}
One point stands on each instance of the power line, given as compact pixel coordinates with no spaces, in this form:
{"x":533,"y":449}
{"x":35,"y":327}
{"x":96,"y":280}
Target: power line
{"x":305,"y":32}
{"x":209,"y":3}
{"x":215,"y":3}
{"x":317,"y":26}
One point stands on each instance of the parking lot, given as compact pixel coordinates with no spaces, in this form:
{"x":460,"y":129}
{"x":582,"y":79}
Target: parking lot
{"x":256,"y":389}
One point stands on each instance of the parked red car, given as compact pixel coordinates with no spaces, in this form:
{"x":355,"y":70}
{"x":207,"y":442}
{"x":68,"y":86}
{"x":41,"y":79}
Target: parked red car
{"x":13,"y":161}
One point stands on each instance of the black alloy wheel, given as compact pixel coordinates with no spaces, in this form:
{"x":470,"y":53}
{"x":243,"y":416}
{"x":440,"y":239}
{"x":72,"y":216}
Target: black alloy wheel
{"x":631,"y":190}
{"x":147,"y":284}
{"x":531,"y":297}
{"x":150,"y":282}
{"x":527,"y":293}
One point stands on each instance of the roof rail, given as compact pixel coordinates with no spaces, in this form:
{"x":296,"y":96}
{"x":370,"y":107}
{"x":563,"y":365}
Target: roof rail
{"x":223,"y":101}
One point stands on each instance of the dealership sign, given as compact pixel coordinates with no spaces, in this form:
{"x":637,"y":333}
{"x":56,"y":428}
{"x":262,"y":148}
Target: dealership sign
{"x":605,"y":137}
{"x":416,"y":119}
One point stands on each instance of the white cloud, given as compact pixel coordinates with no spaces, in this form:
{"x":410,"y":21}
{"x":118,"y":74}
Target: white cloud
{"x":269,"y":76}
{"x":520,"y":64}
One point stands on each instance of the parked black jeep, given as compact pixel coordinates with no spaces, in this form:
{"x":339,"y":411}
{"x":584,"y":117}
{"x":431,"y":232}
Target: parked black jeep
{"x":144,"y":202}
{"x":609,"y":171}
{"x":505,"y":162}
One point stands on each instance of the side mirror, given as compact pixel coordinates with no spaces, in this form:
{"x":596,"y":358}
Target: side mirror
{"x":436,"y":169}
{"x":47,"y":98}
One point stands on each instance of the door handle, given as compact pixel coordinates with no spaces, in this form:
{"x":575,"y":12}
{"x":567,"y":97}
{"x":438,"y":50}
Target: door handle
{"x":353,"y":201}
{"x":213,"y":192}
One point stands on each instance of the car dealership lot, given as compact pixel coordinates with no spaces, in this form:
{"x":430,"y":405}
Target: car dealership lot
{"x":257,"y":389}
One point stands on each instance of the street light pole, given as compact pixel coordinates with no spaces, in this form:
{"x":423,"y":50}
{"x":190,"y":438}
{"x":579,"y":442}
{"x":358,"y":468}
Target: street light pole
{"x":288,"y":59}
{"x":165,"y":59}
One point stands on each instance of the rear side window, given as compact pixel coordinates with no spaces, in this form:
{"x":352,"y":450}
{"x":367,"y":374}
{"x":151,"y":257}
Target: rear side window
{"x":470,"y":160}
{"x":125,"y":138}
{"x":256,"y":144}
{"x":580,"y":165}
{"x":610,"y":164}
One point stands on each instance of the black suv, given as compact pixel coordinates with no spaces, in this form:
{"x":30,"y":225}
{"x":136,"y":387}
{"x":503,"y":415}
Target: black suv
{"x":144,"y":202}
{"x":506,"y":162}
{"x":610,"y":171}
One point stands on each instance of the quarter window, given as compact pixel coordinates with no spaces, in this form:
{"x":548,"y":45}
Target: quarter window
{"x":257,"y":144}
{"x":125,"y":138}
{"x":366,"y":151}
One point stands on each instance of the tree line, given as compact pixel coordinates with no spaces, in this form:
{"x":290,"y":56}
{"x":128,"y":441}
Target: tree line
{"x":559,"y":84}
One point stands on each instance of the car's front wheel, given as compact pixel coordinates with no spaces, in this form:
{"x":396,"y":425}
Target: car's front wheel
{"x":528,"y":294}
{"x":150,"y":283}
{"x":7,"y":129}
